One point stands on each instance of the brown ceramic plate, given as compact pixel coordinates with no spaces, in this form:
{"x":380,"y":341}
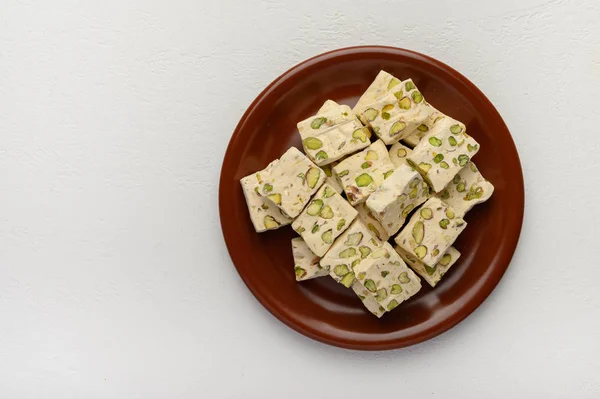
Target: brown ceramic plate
{"x":321,"y":308}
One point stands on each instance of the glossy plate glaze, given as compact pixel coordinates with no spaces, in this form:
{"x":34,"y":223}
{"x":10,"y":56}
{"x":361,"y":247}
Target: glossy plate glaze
{"x":320,"y":308}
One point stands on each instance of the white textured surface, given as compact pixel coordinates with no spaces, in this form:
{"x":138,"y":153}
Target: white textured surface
{"x":114,"y":118}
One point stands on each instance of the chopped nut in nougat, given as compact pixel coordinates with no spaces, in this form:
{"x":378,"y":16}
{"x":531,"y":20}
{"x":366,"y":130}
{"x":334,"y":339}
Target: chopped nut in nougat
{"x":367,"y":217}
{"x":348,"y":250}
{"x":423,"y":128}
{"x":432,"y":229}
{"x":443,"y":152}
{"x":382,"y":84}
{"x":363,"y":173}
{"x":385,"y":275}
{"x":325,"y":217}
{"x":467,"y":189}
{"x":306,"y":263}
{"x":289,"y":181}
{"x":403,"y":191}
{"x":333,"y":134}
{"x":434,"y":274}
{"x":398,"y":153}
{"x":332,"y":180}
{"x":264,"y":215}
{"x":398,"y":114}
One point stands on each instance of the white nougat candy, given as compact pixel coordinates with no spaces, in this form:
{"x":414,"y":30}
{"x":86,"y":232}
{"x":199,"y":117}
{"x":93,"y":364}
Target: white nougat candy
{"x":467,"y":189}
{"x":434,"y":274}
{"x":264,"y":215}
{"x":363,"y":173}
{"x":398,"y":153}
{"x":413,"y":139}
{"x":326,"y":217}
{"x":348,"y":250}
{"x":398,"y":114}
{"x":289,"y":181}
{"x":430,"y":232}
{"x":306,"y":263}
{"x":382,"y":84}
{"x":333,"y":134}
{"x":443,"y":152}
{"x":400,"y":193}
{"x":367,"y":217}
{"x":385,"y":275}
{"x":368,"y":299}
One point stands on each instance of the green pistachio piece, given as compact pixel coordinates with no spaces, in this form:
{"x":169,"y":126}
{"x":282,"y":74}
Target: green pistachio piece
{"x":341,"y":270}
{"x":452,"y":141}
{"x":327,"y":237}
{"x":371,"y":156}
{"x":314,"y":207}
{"x":473,"y":167}
{"x":275,"y":198}
{"x":397,"y":128}
{"x":393,"y":304}
{"x":364,"y":180}
{"x":401,"y":153}
{"x":444,"y":164}
{"x":381,"y":294}
{"x":270,"y":222}
{"x":398,"y":94}
{"x":317,"y":122}
{"x":315,"y":228}
{"x":347,"y":280}
{"x":300,"y":272}
{"x":341,"y":224}
{"x":385,"y":111}
{"x":267,"y":188}
{"x":326,"y":212}
{"x":421,"y":251}
{"x":404,"y":103}
{"x":463,"y":159}
{"x":413,"y":193}
{"x":445,"y":194}
{"x":454,"y":161}
{"x":407,"y":210}
{"x":418,"y":232}
{"x":460,"y":187}
{"x":426,"y":213}
{"x":434,"y":141}
{"x":366,"y":164}
{"x":430,"y":270}
{"x":425,"y":167}
{"x":450,"y":213}
{"x":370,"y":114}
{"x":312,"y":177}
{"x":396,"y":289}
{"x":409,"y":86}
{"x":423,"y":128}
{"x":321,"y":155}
{"x":435,"y":252}
{"x":361,"y":275}
{"x":312,"y":143}
{"x":384,"y":273}
{"x":355,"y":262}
{"x":438,"y":158}
{"x":444,"y":223}
{"x":456,"y":129}
{"x":373,"y":229}
{"x":471,"y":148}
{"x":393,"y":83}
{"x":343,"y":173}
{"x":456,"y":179}
{"x":446,"y":259}
{"x":300,"y":230}
{"x":380,"y":253}
{"x":341,"y":145}
{"x":347,"y":253}
{"x":387,"y":174}
{"x":414,"y":183}
{"x":364,"y":251}
{"x":353,"y":239}
{"x":329,"y":192}
{"x":360,"y":134}
{"x":403,"y":277}
{"x":417,"y":97}
{"x":370,"y":285}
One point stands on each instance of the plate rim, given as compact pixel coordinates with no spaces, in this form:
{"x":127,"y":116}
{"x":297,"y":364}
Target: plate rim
{"x":435,"y":330}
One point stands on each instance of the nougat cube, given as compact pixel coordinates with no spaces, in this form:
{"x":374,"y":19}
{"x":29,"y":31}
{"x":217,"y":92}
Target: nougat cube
{"x":467,"y":189}
{"x":383,"y":83}
{"x":398,"y":114}
{"x":385,"y":275}
{"x":443,"y":152}
{"x":363,"y":173}
{"x":398,"y":153}
{"x":367,"y":217}
{"x":355,"y":244}
{"x":430,"y":232}
{"x":263,"y":214}
{"x":413,"y":139}
{"x":290,"y":181}
{"x":400,"y":193}
{"x":325,"y":218}
{"x":306,"y":263}
{"x":333,"y":134}
{"x":434,"y":274}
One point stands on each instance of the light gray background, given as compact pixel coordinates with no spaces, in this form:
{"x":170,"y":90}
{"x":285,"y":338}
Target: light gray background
{"x":114,"y":278}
